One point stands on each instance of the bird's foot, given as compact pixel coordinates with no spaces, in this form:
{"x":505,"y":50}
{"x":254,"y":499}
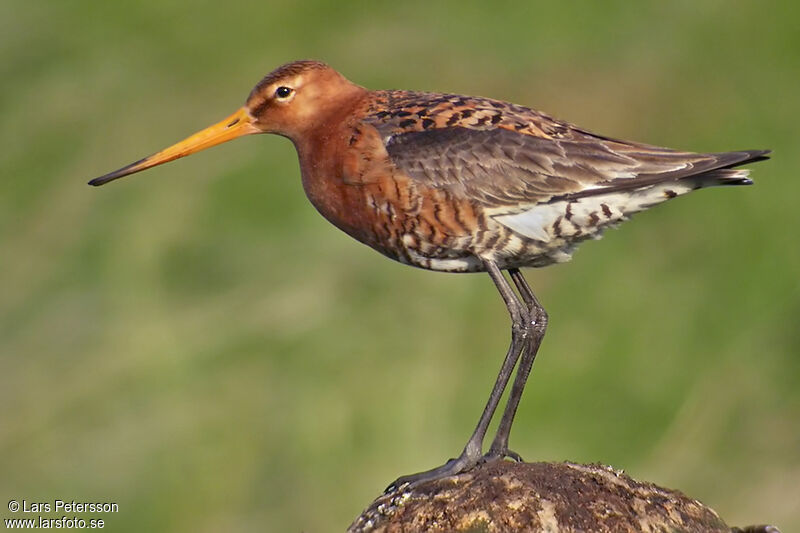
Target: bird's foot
{"x":500,"y":454}
{"x":460,"y":464}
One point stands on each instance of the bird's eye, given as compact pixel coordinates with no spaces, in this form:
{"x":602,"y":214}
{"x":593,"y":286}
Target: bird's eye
{"x":283,"y":92}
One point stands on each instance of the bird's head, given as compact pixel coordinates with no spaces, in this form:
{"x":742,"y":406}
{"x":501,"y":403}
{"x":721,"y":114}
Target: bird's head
{"x":290,"y":101}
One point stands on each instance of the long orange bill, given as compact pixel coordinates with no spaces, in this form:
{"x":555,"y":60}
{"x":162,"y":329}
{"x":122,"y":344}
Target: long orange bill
{"x":236,"y":125}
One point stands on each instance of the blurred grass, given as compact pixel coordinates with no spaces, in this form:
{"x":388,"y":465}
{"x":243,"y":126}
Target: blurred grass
{"x":198,"y":345}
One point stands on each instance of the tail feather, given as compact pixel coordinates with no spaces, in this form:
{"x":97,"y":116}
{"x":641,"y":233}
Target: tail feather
{"x":722,"y":176}
{"x":735,"y":159}
{"x":585,"y":214}
{"x":705,"y":171}
{"x":727,"y":173}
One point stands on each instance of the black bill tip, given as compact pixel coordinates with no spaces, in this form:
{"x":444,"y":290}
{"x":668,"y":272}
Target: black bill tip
{"x":121,"y":173}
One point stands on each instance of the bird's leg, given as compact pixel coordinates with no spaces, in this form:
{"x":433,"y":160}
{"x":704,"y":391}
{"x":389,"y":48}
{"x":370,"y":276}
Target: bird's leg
{"x":471,"y":455}
{"x":519,"y":317}
{"x":535,"y":329}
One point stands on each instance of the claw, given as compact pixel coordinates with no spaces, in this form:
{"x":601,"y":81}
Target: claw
{"x":499,"y":455}
{"x":515,"y":456}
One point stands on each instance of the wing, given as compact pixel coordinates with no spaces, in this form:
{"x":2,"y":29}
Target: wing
{"x":499,"y":166}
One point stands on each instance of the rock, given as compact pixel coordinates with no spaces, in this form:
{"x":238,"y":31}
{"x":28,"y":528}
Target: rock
{"x":503,"y":496}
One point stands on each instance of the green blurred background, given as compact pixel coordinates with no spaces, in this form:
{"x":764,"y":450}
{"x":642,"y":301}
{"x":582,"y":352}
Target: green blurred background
{"x":198,"y":345}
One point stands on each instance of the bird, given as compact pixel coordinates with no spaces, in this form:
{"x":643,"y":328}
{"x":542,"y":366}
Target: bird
{"x":455,"y":183}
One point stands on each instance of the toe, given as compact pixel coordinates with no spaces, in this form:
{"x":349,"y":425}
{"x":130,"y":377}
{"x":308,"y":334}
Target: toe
{"x":450,"y":468}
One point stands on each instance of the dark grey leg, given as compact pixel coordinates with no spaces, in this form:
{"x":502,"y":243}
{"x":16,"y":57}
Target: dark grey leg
{"x":472,"y":453}
{"x":534,"y":333}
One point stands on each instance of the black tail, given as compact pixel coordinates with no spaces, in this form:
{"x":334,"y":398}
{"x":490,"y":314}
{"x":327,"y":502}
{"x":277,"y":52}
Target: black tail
{"x":724,"y":171}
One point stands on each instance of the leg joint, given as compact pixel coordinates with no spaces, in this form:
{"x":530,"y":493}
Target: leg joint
{"x":521,"y":322}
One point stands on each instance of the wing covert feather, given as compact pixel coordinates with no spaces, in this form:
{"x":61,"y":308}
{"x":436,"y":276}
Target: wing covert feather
{"x":500,"y":166}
